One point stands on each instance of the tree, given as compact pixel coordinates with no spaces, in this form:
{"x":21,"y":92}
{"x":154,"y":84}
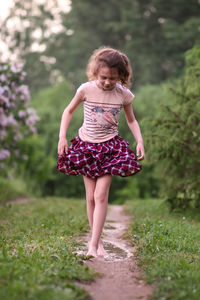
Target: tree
{"x":153,"y":33}
{"x":174,"y":137}
{"x":32,"y":27}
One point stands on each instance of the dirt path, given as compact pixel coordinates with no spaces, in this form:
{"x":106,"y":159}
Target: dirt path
{"x":19,"y":200}
{"x":121,"y":277}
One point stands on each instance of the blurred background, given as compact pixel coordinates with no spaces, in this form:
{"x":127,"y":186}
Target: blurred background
{"x":45,"y":46}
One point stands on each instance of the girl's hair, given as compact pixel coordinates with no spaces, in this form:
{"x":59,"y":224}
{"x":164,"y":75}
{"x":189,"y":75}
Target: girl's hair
{"x":111,"y":58}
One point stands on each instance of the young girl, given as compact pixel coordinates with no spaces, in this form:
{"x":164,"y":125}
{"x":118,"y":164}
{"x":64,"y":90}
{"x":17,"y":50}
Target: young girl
{"x":99,"y":153}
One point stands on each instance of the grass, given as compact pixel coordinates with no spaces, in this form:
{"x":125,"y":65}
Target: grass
{"x":168,"y":248}
{"x":38,"y":242}
{"x":12,"y":189}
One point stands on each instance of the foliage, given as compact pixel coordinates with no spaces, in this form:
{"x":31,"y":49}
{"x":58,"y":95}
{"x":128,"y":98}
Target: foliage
{"x":148,"y":99}
{"x":49,"y":104}
{"x":36,"y":170}
{"x":154,"y":34}
{"x":167,"y":249}
{"x":17,"y":119}
{"x":38,"y":250}
{"x":37,"y":25}
{"x":55,"y":43}
{"x":174,"y":138}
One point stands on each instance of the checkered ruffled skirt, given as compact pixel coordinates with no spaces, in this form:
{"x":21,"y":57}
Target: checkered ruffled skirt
{"x":96,"y":159}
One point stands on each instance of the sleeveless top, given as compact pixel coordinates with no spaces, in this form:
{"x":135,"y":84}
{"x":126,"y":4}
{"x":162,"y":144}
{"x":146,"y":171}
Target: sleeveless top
{"x":101,"y":111}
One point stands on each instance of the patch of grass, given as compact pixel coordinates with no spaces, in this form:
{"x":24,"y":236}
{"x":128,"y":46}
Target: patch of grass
{"x":12,"y":189}
{"x":109,"y":227}
{"x":38,"y":244}
{"x":168,"y":248}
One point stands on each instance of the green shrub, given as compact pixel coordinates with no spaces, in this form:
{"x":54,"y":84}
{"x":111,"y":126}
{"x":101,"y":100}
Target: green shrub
{"x":174,"y":137}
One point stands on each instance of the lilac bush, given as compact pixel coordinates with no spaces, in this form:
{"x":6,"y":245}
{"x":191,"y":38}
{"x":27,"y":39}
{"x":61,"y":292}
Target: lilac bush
{"x":17,"y":118}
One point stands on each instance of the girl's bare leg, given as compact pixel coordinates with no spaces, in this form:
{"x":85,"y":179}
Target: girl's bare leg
{"x":101,"y":199}
{"x":90,"y":185}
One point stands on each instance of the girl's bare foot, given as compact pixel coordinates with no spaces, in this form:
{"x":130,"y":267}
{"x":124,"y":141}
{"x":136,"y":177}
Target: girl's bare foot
{"x":92,"y":251}
{"x":101,"y":251}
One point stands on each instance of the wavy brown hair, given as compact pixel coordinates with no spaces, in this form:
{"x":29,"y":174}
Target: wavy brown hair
{"x":111,"y":58}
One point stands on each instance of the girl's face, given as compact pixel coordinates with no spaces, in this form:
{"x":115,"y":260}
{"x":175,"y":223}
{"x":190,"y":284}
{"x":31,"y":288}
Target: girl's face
{"x":107,"y":78}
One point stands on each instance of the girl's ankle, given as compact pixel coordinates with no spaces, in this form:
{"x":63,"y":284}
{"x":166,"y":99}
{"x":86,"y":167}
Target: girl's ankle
{"x":92,"y":246}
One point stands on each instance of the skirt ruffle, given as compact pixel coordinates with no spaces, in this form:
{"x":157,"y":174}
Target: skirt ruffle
{"x":112,"y":157}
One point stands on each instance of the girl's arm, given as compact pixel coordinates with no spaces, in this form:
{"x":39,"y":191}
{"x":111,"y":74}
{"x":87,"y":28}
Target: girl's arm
{"x":135,"y":129}
{"x":66,"y":118}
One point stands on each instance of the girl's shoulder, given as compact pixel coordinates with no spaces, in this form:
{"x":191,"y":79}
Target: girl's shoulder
{"x":122,"y":89}
{"x":126,"y":94}
{"x":86,"y":85}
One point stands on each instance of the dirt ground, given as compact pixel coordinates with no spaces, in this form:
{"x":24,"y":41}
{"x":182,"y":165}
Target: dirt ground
{"x":121,"y":277}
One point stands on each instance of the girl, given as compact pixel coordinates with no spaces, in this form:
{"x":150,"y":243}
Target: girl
{"x":99,"y":153}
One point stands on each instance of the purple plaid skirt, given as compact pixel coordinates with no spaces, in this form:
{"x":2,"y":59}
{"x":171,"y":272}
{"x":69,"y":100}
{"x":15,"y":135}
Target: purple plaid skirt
{"x":112,"y":157}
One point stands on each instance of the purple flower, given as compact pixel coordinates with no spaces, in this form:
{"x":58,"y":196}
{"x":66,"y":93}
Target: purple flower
{"x":4,"y":100}
{"x":14,"y":86}
{"x":3,"y":78}
{"x":31,"y":120}
{"x":4,"y":154}
{"x":13,"y":97}
{"x":3,"y":133}
{"x":8,"y":120}
{"x":16,"y":119}
{"x":33,"y":117}
{"x":23,"y":75}
{"x":4,"y":90}
{"x":16,"y":68}
{"x":30,"y":110}
{"x":22,"y":113}
{"x":18,"y":137}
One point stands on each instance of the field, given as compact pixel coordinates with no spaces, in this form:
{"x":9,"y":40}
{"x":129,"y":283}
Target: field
{"x":38,"y":243}
{"x":168,"y":248}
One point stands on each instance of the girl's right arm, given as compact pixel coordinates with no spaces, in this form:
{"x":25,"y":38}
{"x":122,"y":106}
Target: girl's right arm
{"x":66,"y":118}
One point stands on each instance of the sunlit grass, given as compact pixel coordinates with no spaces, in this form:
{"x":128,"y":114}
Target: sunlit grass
{"x":168,"y":248}
{"x":38,"y":242}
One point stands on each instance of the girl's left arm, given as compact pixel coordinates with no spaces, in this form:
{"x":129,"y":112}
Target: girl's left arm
{"x":135,"y":129}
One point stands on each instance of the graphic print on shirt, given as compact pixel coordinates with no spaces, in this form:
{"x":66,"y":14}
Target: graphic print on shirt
{"x":105,"y":119}
{"x":102,"y":117}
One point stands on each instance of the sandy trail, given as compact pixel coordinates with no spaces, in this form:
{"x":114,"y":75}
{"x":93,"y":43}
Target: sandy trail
{"x":121,"y":277}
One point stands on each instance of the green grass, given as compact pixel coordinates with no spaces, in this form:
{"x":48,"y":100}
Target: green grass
{"x":12,"y":189}
{"x":38,"y":242}
{"x":168,"y":249}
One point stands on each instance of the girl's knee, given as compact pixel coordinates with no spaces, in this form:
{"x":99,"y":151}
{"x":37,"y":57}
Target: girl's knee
{"x":100,"y":197}
{"x":90,"y":199}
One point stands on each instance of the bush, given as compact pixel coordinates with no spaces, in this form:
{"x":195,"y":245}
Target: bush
{"x":17,"y":119}
{"x":174,"y":137}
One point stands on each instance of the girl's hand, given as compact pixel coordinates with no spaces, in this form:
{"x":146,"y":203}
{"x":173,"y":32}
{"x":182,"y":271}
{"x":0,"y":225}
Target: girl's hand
{"x":62,"y":146}
{"x":140,"y":151}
